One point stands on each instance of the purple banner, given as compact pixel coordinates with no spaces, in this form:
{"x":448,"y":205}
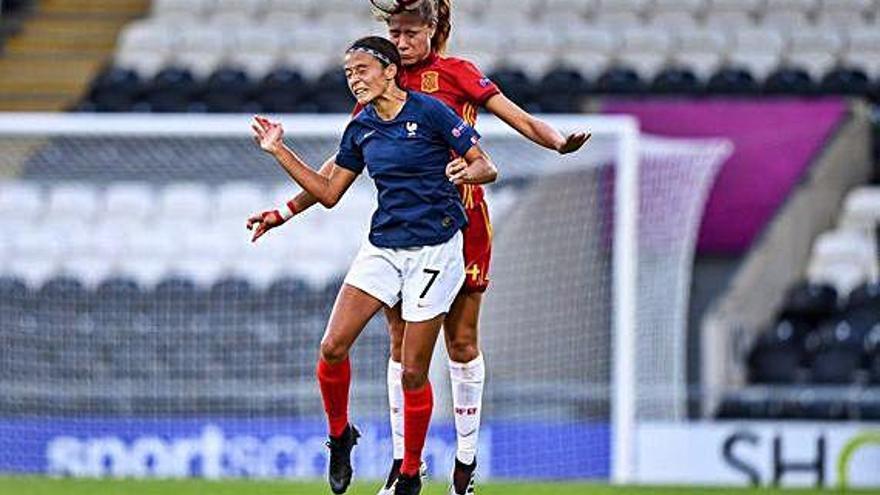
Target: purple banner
{"x":774,"y":143}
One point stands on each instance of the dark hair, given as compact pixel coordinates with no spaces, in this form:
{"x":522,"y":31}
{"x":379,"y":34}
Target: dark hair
{"x":379,"y":45}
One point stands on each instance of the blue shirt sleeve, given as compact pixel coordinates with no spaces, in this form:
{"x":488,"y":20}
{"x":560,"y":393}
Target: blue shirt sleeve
{"x":350,"y":155}
{"x":455,"y":131}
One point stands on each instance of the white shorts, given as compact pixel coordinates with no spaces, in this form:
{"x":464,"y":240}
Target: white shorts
{"x":426,"y":279}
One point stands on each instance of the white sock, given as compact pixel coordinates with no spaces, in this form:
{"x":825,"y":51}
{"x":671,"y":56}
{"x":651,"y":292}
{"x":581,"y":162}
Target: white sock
{"x":395,"y":406}
{"x":467,"y":402}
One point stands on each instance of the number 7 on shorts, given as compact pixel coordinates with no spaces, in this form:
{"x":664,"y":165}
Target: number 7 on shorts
{"x":433,"y":273}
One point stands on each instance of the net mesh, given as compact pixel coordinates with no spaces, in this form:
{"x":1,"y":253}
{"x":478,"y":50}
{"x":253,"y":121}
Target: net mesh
{"x":142,"y":335}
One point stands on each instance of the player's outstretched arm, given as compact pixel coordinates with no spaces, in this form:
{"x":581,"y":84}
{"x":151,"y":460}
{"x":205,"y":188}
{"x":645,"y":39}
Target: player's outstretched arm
{"x":536,"y":130}
{"x":474,"y":168}
{"x":326,"y":190}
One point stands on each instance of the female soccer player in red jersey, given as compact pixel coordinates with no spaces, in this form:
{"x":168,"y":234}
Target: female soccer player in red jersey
{"x":413,"y":259}
{"x":421,"y":34}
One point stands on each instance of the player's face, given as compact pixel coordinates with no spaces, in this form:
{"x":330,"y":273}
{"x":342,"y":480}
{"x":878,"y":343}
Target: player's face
{"x":367,"y":79}
{"x":412,"y":37}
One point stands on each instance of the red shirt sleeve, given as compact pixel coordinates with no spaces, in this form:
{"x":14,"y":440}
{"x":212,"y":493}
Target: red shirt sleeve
{"x":474,"y":83}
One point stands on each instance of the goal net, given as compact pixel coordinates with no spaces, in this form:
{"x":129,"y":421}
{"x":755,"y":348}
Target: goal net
{"x":141,"y":334}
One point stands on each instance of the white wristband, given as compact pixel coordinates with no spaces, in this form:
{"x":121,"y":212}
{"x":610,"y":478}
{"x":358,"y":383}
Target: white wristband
{"x":286,"y":212}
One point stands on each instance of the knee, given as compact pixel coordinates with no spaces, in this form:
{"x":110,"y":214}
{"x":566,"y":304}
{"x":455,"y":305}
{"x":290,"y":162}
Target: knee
{"x":333,"y":352}
{"x":414,"y":377}
{"x":463,"y":350}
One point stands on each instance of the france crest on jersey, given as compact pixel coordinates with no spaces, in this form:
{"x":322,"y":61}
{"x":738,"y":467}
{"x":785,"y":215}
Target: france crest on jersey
{"x":407,"y":158}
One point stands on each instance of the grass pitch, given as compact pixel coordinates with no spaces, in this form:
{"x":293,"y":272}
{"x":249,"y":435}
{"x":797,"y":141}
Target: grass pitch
{"x":47,"y":486}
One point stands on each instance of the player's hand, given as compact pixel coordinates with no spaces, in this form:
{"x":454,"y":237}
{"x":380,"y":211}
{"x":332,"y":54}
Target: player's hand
{"x":267,"y":134}
{"x":479,"y":172}
{"x":456,"y":170}
{"x":573,"y":142}
{"x":264,"y":222}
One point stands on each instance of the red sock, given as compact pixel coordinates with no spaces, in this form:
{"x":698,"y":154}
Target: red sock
{"x":417,"y":408}
{"x":334,"y":380}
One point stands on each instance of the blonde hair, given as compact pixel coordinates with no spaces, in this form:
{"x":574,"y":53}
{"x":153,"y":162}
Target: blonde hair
{"x":436,"y":13}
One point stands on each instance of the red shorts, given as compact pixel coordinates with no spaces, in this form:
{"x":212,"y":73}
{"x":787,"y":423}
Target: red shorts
{"x":477,"y":239}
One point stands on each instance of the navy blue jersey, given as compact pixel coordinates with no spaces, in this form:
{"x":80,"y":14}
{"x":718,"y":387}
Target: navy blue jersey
{"x":407,"y":158}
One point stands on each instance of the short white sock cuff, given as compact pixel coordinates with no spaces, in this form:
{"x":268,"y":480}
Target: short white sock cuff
{"x":394,"y":365}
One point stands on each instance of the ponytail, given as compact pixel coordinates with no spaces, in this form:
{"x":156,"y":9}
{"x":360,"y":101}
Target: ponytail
{"x":444,"y":26}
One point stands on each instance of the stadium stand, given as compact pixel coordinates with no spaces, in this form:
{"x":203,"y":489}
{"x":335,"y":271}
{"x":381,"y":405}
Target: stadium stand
{"x":823,"y":347}
{"x":667,"y":46}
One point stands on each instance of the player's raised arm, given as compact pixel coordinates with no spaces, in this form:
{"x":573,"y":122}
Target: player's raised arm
{"x":535,"y":129}
{"x":326,"y":189}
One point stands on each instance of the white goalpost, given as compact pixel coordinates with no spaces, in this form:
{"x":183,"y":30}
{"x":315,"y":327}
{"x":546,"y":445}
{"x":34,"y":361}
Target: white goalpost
{"x":135,"y":309}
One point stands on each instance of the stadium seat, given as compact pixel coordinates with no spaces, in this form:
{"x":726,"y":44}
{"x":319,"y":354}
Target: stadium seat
{"x":202,"y":49}
{"x":533,"y":49}
{"x":146,"y":47}
{"x":777,"y":354}
{"x":238,"y":200}
{"x":228,"y":90}
{"x":515,"y":84}
{"x":619,"y":80}
{"x":861,"y":209}
{"x":845,"y":81}
{"x":676,"y":80}
{"x":673,"y":21}
{"x":172,"y":90}
{"x":589,"y":50}
{"x":115,"y":90}
{"x":283,"y":7}
{"x":758,"y":50}
{"x":256,"y":48}
{"x":862,"y":50}
{"x":701,"y":50}
{"x":561,"y":91}
{"x":281,"y":91}
{"x":786,"y":23}
{"x":186,"y":202}
{"x":748,"y":6}
{"x":14,"y":297}
{"x":805,"y":7}
{"x":836,"y":353}
{"x":135,"y":199}
{"x":72,"y":201}
{"x":694,"y":8}
{"x":816,"y":51}
{"x":176,"y":9}
{"x":618,"y":19}
{"x":810,"y":302}
{"x":35,"y":255}
{"x":148,"y":256}
{"x":789,"y":80}
{"x":332,"y":94}
{"x":845,"y":247}
{"x":729,"y":21}
{"x":241,"y":9}
{"x":20,"y":201}
{"x":644,"y":50}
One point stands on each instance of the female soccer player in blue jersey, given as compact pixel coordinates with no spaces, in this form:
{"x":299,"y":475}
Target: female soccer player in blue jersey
{"x":414,"y":251}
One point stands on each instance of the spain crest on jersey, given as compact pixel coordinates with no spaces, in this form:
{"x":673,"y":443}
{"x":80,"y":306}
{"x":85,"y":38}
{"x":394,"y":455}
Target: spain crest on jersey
{"x":430,"y":81}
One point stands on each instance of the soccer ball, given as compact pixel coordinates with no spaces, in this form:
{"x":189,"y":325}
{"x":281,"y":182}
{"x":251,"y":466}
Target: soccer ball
{"x":391,"y":7}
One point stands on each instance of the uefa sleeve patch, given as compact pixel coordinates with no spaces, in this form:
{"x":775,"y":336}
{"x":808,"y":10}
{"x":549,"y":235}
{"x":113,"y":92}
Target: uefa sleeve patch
{"x":485,"y":82}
